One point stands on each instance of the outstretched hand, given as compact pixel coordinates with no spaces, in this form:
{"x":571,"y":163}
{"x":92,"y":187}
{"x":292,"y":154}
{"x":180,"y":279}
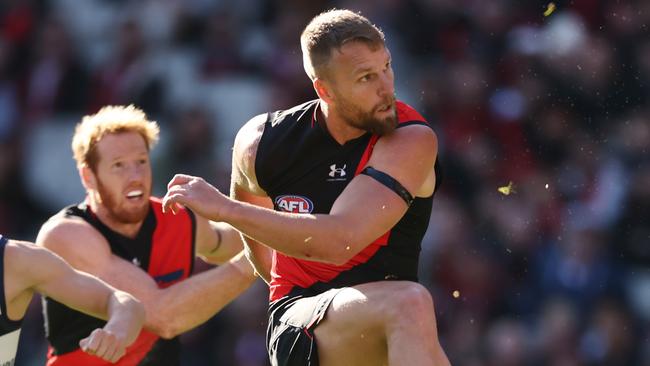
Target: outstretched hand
{"x":196,"y":194}
{"x":104,"y":344}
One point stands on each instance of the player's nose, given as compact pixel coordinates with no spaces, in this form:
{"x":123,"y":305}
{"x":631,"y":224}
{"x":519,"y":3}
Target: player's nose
{"x":387,"y":86}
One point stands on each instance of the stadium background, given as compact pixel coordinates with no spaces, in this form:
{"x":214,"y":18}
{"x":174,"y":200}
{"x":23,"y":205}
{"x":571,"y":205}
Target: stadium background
{"x":554,"y":273}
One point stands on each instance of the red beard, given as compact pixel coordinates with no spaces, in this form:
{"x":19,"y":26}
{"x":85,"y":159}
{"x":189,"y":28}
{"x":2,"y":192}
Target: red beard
{"x":118,"y":213}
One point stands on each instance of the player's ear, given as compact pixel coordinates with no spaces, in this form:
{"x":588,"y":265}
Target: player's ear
{"x":323,"y":89}
{"x":88,"y":178}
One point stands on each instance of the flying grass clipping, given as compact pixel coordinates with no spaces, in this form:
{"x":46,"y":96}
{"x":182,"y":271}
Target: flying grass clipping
{"x":550,"y":8}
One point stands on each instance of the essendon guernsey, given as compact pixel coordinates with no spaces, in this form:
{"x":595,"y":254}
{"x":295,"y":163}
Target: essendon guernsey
{"x":304,"y":170}
{"x":164,"y":248}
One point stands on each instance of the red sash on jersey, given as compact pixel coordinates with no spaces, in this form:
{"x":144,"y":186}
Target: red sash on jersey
{"x":171,"y":260}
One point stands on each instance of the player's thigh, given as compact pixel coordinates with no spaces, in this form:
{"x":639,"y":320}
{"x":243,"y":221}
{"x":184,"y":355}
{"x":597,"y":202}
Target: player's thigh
{"x":353,"y":331}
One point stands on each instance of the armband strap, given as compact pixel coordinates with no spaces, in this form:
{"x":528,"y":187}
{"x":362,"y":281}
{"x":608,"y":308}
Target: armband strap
{"x":390,"y":182}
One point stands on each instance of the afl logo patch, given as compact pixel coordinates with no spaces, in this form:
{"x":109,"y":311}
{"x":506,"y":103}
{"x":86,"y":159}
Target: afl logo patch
{"x":294,"y":204}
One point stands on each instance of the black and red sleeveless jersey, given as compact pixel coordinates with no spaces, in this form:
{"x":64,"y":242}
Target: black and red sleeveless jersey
{"x":9,"y":329}
{"x":164,"y":248}
{"x":303,"y":170}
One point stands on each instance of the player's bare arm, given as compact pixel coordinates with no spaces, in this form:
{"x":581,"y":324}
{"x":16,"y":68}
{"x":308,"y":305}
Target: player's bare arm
{"x":33,"y":269}
{"x":365,"y":208}
{"x":216,"y":242}
{"x":221,"y":244}
{"x":170,"y":311}
{"x":244,"y":187}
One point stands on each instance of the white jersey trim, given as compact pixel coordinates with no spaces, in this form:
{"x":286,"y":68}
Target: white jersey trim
{"x":8,"y":348}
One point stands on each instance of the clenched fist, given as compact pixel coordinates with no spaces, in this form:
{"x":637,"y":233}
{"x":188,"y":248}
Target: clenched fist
{"x":104,"y":344}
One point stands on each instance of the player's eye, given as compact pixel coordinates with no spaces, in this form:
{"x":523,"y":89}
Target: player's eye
{"x":365,"y":78}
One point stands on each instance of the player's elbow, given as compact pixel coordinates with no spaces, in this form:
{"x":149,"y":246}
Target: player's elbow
{"x":168,"y":333}
{"x":161,"y":324}
{"x":164,"y":329}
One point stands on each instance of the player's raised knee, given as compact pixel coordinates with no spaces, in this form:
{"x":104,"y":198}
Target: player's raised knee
{"x":411,"y":299}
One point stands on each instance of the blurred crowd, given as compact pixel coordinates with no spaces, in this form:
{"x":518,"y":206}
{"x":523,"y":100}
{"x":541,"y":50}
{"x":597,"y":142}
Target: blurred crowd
{"x":551,"y":105}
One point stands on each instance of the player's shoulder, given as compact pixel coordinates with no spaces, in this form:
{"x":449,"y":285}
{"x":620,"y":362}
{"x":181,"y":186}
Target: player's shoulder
{"x":62,"y":231}
{"x":253,"y":127}
{"x":250,"y":134}
{"x":300,"y":113}
{"x":410,"y":121}
{"x":67,"y":225}
{"x":407,"y":114}
{"x":75,"y":240}
{"x":412,"y":134}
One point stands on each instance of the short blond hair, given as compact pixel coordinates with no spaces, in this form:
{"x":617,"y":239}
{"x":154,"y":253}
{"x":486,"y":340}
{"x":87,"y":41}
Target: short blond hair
{"x":110,"y":119}
{"x":329,"y":31}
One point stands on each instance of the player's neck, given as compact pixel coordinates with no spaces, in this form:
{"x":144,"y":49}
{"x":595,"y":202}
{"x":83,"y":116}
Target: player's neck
{"x":129,"y":230}
{"x":337,"y":127}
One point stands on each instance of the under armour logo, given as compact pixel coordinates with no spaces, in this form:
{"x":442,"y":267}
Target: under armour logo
{"x":334,"y":171}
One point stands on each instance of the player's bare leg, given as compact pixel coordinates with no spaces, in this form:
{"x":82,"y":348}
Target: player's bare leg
{"x":381,"y":323}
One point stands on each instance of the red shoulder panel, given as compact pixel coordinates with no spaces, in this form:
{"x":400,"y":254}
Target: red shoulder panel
{"x":406,"y":113}
{"x":172,"y":247}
